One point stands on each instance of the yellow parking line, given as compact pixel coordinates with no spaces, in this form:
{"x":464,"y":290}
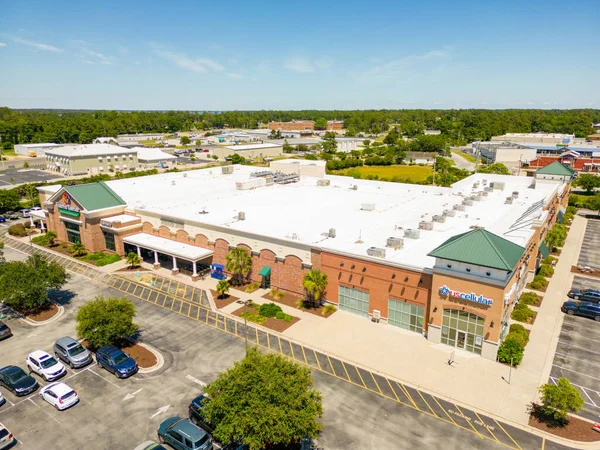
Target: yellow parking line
{"x":407,"y":395}
{"x":446,"y":412}
{"x":490,"y":431}
{"x":280,"y":347}
{"x":347,"y":374}
{"x":304,"y":353}
{"x":331,"y":365}
{"x":506,"y":432}
{"x":317,"y":359}
{"x":543,"y":443}
{"x":468,"y":421}
{"x":428,"y":405}
{"x":180,"y":307}
{"x":376,"y":384}
{"x":360,"y":376}
{"x":392,"y":389}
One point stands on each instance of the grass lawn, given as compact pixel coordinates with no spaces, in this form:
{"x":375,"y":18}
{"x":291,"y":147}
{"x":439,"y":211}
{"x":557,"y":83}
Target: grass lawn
{"x":414,"y":173}
{"x":10,"y":152}
{"x":467,"y":156}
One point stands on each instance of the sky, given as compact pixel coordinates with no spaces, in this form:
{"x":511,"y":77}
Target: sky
{"x":199,"y":55}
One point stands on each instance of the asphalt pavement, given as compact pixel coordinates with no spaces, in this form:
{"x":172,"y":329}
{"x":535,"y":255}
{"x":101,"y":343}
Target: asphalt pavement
{"x":13,"y":177}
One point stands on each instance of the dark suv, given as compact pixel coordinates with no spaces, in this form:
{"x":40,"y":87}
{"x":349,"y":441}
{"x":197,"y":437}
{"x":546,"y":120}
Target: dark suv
{"x":116,"y":361}
{"x":196,"y":414}
{"x":182,"y":434}
{"x":586,"y":295}
{"x":585,"y":309}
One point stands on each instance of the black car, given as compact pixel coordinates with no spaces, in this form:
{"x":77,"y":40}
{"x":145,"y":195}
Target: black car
{"x":5,"y":331}
{"x":586,"y":295}
{"x":584,"y":309}
{"x":196,"y":415}
{"x":16,"y":379}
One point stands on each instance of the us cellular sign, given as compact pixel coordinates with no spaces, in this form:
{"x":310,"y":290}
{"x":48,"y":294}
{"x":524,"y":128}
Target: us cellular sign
{"x":472,"y":297}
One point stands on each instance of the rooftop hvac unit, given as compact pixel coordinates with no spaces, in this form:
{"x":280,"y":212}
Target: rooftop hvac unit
{"x":515,"y":194}
{"x":286,"y":179}
{"x":484,"y":193}
{"x":489,"y":189}
{"x":395,"y":243}
{"x":241,"y":215}
{"x":460,"y":207}
{"x":467,"y":202}
{"x":425,"y":225}
{"x":269,"y":180}
{"x":184,"y":175}
{"x":376,"y":317}
{"x":475,"y":185}
{"x":252,"y":183}
{"x":455,"y":207}
{"x":509,"y":200}
{"x":484,"y":182}
{"x":478,"y":198}
{"x":376,"y":251}
{"x":368,"y":206}
{"x":323,"y":182}
{"x":439,"y":219}
{"x":227,"y":169}
{"x":449,"y":212}
{"x":354,"y":187}
{"x":412,"y":234}
{"x":498,"y":185}
{"x":173,"y":182}
{"x":261,"y":173}
{"x":331,"y":233}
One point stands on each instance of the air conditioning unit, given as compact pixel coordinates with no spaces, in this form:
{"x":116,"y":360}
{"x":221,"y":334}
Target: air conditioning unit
{"x":484,"y":182}
{"x":331,"y":233}
{"x":368,"y":207}
{"x":354,"y":187}
{"x":241,"y":215}
{"x":376,"y":317}
{"x":515,"y":194}
{"x":449,"y":212}
{"x":484,"y":193}
{"x":412,"y":234}
{"x":323,"y":182}
{"x":460,"y":207}
{"x":478,"y":198}
{"x":439,"y":219}
{"x":173,"y":183}
{"x":425,"y":225}
{"x":376,"y":251}
{"x":498,"y":185}
{"x":227,"y":169}
{"x":509,"y":200}
{"x":395,"y":243}
{"x":467,"y":202}
{"x":489,"y":189}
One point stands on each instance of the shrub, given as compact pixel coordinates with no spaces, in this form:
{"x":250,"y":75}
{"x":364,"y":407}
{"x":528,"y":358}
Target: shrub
{"x":522,"y":313}
{"x":510,"y":351}
{"x":517,"y":337}
{"x":252,"y":287}
{"x":539,"y":282}
{"x":108,"y":259}
{"x":560,"y":399}
{"x":252,"y":317}
{"x":546,"y":270}
{"x":280,"y":315}
{"x":329,"y":309}
{"x":269,"y":309}
{"x":17,"y":230}
{"x":550,"y":260}
{"x":517,"y":329}
{"x":571,"y":210}
{"x":41,"y":240}
{"x":529,"y":298}
{"x":287,"y":318}
{"x":276,"y":294}
{"x":300,"y":304}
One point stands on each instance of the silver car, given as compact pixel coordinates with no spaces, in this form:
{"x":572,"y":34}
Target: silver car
{"x":72,"y":352}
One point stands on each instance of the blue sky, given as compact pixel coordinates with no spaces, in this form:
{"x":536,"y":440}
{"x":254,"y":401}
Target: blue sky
{"x":197,"y":55}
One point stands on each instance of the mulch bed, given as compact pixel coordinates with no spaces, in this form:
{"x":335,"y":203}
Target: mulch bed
{"x":46,"y":314}
{"x":243,"y":287}
{"x":596,"y":273}
{"x":576,"y":430}
{"x":271,"y":322}
{"x":133,"y":269}
{"x":222,"y":302}
{"x":291,"y":300}
{"x":143,"y":357}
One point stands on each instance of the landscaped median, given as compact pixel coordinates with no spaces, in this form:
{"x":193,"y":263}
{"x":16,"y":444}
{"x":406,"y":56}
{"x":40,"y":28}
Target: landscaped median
{"x":76,"y":250}
{"x":268,"y":315}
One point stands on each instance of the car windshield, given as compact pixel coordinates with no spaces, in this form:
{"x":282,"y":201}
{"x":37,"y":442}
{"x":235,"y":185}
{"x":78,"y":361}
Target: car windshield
{"x":119,"y":359}
{"x":76,"y":350}
{"x":201,"y":441}
{"x":17,"y":377}
{"x":48,"y":362}
{"x":3,"y":433}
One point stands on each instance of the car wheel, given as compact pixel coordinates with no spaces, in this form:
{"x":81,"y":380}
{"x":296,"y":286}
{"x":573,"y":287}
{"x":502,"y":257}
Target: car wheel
{"x":597,"y":318}
{"x":576,"y":297}
{"x":570,"y":312}
{"x":71,"y":365}
{"x":161,"y":439}
{"x":116,"y":372}
{"x":57,"y":408}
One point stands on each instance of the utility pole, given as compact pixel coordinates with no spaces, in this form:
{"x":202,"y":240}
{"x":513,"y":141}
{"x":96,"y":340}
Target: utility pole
{"x":434,"y":161}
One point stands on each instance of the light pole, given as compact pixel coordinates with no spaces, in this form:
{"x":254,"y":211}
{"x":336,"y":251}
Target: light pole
{"x":246,"y":303}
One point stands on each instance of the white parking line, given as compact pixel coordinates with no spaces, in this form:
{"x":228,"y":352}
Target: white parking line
{"x":571,"y":370}
{"x":108,"y":381}
{"x":45,"y":412}
{"x":79,"y":371}
{"x":578,"y":359}
{"x":581,"y":348}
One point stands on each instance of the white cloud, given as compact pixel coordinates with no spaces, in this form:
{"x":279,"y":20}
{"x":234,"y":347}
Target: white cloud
{"x":2,"y":44}
{"x":87,"y":61}
{"x":36,"y":45}
{"x":200,"y":65}
{"x":87,"y":55}
{"x":303,"y":64}
{"x":407,"y":65}
{"x":234,"y":75}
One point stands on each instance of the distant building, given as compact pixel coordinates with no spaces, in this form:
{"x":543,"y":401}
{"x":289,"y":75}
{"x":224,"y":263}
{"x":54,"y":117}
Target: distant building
{"x":537,"y":138}
{"x":105,"y":140}
{"x":421,"y":157}
{"x":505,"y":152}
{"x":249,"y":151}
{"x":92,"y":159}
{"x":305,"y":125}
{"x":570,"y":159}
{"x":34,"y":150}
{"x":432,"y":132}
{"x":140,"y":137}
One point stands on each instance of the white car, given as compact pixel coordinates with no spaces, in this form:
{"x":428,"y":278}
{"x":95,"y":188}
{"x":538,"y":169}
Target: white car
{"x":59,"y":395}
{"x":45,"y":365}
{"x":6,"y":437}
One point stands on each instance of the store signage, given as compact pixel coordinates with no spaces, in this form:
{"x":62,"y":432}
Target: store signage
{"x":65,"y":207}
{"x":106,"y":224}
{"x":472,"y":297}
{"x":68,"y":211}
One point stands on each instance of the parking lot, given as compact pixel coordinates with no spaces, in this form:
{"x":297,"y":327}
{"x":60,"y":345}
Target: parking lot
{"x":10,"y":177}
{"x":589,"y":256}
{"x":578,"y":355}
{"x":116,"y":413}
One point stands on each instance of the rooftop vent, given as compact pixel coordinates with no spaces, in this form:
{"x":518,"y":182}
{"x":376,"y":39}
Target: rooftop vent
{"x":172,"y":182}
{"x":376,"y":251}
{"x":184,"y":175}
{"x":425,"y":225}
{"x":498,"y":185}
{"x":331,"y":233}
{"x":368,"y":207}
{"x":354,"y":187}
{"x":489,"y":189}
{"x":323,"y":182}
{"x":484,"y":193}
{"x":477,"y":198}
{"x":395,"y":243}
{"x":475,"y":185}
{"x":460,"y":207}
{"x":515,"y":194}
{"x":509,"y":200}
{"x":484,"y":182}
{"x":227,"y":169}
{"x":241,"y":215}
{"x":294,"y":236}
{"x":438,"y":218}
{"x":467,"y":202}
{"x":412,"y":234}
{"x":449,"y":212}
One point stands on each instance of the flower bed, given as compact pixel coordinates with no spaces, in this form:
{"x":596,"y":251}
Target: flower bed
{"x":280,"y":322}
{"x":224,"y":300}
{"x":576,"y":429}
{"x":143,"y":357}
{"x":296,"y":302}
{"x":44,"y":314}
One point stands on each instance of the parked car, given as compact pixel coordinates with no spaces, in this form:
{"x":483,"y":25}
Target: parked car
{"x":45,"y":365}
{"x":11,"y":215}
{"x":182,"y":434}
{"x":584,"y":309}
{"x":586,"y":295}
{"x":2,"y":218}
{"x":72,"y":352}
{"x":16,"y":379}
{"x":59,"y":395}
{"x":6,"y":437}
{"x":5,"y":331}
{"x":196,"y":415}
{"x":116,"y":361}
{"x":24,"y":213}
{"x":36,"y":208}
{"x":150,"y":445}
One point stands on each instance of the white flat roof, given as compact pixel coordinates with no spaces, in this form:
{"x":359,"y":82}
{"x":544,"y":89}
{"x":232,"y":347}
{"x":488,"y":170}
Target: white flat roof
{"x":152,"y":154}
{"x":123,"y":218}
{"x":251,"y":146}
{"x":303,"y":212}
{"x":302,"y":162}
{"x":89,"y":150}
{"x":167,"y":246}
{"x":48,"y":145}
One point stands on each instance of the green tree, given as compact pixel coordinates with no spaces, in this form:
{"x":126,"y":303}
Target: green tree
{"x":587,"y":181}
{"x":185,"y":140}
{"x":2,"y":258}
{"x":50,"y":237}
{"x":594,"y":203}
{"x":275,"y":134}
{"x":78,"y":249}
{"x":287,"y":148}
{"x":264,"y":400}
{"x":560,"y":399}
{"x":497,"y":168}
{"x":9,"y":200}
{"x":321,"y":124}
{"x":222,"y":288}
{"x":105,"y":321}
{"x":392,"y":137}
{"x":133,"y":259}
{"x":329,"y":143}
{"x":24,"y":285}
{"x":510,"y":351}
{"x":315,"y":284}
{"x":237,"y":159}
{"x":239,"y":263}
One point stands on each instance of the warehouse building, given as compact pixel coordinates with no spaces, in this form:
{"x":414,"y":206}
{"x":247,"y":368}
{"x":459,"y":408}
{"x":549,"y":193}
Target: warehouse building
{"x":446,"y":263}
{"x":92,"y":159}
{"x":34,"y":150}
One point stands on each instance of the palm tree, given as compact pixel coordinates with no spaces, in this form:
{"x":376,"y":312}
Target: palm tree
{"x":133,"y":259}
{"x":315,"y":283}
{"x":222,"y":288}
{"x":78,"y":249}
{"x":239,"y":263}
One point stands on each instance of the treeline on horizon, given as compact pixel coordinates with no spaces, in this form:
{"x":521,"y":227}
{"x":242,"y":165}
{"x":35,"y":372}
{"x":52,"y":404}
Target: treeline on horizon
{"x":458,"y":126}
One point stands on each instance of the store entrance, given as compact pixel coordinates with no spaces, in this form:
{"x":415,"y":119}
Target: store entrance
{"x":460,"y":339}
{"x":463,"y":330}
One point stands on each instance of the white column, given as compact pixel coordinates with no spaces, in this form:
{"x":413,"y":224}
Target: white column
{"x":195,"y":272}
{"x":31,"y":221}
{"x":174,"y":263}
{"x":42,"y":225}
{"x":139,"y":251}
{"x":155,"y":257}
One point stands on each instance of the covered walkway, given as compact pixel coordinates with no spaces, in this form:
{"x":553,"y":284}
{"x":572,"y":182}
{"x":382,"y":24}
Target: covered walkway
{"x":173,"y":249}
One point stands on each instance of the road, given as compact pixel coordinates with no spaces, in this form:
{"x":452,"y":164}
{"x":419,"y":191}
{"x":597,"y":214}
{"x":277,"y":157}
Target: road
{"x":462,"y":163}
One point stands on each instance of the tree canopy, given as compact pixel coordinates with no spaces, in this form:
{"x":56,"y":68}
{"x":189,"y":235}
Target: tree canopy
{"x":264,"y":400}
{"x":497,"y":168}
{"x":560,"y":399}
{"x":239,"y":263}
{"x":587,"y":181}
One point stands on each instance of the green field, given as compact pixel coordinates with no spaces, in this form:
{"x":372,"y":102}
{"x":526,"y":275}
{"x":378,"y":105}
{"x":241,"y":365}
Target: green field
{"x":413,"y":173}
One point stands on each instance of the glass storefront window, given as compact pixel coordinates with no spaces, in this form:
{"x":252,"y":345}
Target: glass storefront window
{"x":354,"y":301}
{"x":405,"y":315}
{"x":463,"y":330}
{"x":109,"y":240}
{"x":73,"y":233}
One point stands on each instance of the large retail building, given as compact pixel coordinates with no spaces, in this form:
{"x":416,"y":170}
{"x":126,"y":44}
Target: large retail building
{"x":448,"y":263}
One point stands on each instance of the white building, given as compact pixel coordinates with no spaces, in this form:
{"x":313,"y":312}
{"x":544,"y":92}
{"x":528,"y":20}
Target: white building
{"x":35,"y":149}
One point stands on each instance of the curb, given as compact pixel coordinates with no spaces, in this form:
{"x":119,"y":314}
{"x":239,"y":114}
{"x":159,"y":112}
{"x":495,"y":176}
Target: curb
{"x":34,"y":323}
{"x":159,"y":358}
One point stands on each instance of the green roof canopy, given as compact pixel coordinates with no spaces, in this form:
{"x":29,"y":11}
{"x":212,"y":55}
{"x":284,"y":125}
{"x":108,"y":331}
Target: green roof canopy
{"x":94,"y":196}
{"x":544,"y":250}
{"x":265,"y":271}
{"x":481,"y":248}
{"x":556,"y":168}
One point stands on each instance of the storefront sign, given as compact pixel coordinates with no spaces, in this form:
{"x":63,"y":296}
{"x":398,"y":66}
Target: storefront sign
{"x":472,"y":297}
{"x":106,"y":224}
{"x":68,"y":211}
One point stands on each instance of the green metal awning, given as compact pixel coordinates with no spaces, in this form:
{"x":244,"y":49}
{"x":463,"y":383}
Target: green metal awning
{"x":265,"y":271}
{"x":560,"y":217}
{"x":544,"y":250}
